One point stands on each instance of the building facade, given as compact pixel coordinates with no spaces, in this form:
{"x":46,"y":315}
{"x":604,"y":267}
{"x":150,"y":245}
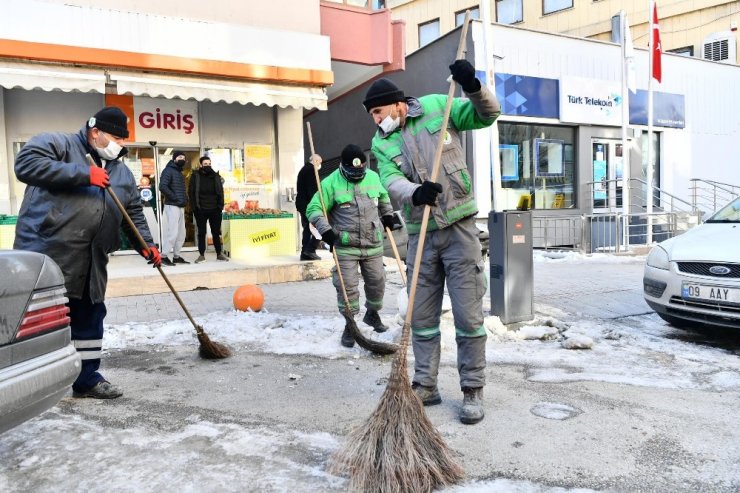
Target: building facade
{"x":703,"y":29}
{"x":218,"y":78}
{"x":559,"y":138}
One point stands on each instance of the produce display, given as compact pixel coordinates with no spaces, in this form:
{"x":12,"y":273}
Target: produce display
{"x":250,"y":210}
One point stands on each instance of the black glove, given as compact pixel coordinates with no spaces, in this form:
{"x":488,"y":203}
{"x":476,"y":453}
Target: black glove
{"x":391,"y":221}
{"x":464,"y":74}
{"x":426,"y":194}
{"x":329,"y":237}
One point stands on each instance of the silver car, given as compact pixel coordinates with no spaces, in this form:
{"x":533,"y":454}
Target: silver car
{"x":693,"y":280}
{"x":38,"y":362}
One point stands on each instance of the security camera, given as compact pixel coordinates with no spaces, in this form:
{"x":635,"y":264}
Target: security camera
{"x":152,"y":143}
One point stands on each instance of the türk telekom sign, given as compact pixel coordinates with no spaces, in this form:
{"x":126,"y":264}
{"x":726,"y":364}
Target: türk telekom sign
{"x":167,"y":121}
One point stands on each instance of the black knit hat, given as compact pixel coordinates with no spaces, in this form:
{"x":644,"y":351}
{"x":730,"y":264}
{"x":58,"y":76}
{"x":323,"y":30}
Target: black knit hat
{"x":352,"y":165}
{"x":176,"y":154}
{"x":112,"y":120}
{"x":352,"y":152}
{"x":382,"y":92}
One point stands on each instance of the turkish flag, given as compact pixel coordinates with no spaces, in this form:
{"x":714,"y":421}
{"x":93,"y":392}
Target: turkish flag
{"x":656,"y":46}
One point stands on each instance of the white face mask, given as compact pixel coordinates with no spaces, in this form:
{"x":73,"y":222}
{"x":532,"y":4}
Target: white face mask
{"x":109,"y":152}
{"x":389,"y":124}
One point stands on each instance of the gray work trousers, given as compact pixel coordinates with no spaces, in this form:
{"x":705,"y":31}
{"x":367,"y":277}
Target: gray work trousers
{"x":373,"y":273}
{"x":452,"y":254}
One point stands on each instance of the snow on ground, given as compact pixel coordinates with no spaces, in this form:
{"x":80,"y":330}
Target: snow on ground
{"x":634,"y":350}
{"x":201,"y":457}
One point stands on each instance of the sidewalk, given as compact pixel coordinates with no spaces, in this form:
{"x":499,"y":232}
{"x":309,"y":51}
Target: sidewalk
{"x":130,"y":275}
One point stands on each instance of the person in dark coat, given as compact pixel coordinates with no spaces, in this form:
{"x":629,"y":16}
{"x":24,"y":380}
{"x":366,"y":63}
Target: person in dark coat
{"x":305,"y":190}
{"x":172,"y":186}
{"x":67,"y":215}
{"x":206,"y":194}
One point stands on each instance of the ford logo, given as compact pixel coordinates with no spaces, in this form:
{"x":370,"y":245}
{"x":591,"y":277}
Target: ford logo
{"x":719,"y":270}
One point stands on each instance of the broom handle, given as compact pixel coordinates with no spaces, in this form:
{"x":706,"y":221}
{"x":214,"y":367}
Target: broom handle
{"x":398,"y":257}
{"x":144,"y":246}
{"x":348,"y":309}
{"x":435,"y":172}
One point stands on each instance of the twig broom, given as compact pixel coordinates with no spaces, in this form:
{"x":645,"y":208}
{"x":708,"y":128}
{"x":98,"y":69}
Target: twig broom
{"x":398,"y":450}
{"x":377,"y":347}
{"x":208,"y":348}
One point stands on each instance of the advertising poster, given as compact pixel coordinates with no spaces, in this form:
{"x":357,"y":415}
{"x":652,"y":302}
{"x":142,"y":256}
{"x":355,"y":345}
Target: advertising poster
{"x":258,"y":164}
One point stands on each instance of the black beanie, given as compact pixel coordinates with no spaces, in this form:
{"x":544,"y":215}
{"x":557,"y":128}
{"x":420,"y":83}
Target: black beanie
{"x":112,"y":120}
{"x":350,"y":153}
{"x":176,"y":154}
{"x":382,"y":92}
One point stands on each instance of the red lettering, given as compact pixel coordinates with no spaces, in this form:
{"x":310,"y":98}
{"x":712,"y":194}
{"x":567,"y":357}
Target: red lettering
{"x":168,"y":121}
{"x":188,"y":124}
{"x":146,"y":120}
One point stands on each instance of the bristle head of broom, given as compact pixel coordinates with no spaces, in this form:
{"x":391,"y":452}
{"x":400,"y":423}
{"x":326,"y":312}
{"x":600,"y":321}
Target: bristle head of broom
{"x":397,"y":449}
{"x":210,"y":349}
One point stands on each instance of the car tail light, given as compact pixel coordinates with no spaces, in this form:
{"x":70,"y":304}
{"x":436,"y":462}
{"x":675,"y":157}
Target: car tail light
{"x":46,"y":312}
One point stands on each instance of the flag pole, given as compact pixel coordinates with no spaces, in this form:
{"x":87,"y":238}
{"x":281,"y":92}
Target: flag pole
{"x":625,"y":124}
{"x":649,"y":177}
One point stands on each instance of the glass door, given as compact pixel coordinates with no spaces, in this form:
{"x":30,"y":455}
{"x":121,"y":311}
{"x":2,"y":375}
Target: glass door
{"x":607,"y":166}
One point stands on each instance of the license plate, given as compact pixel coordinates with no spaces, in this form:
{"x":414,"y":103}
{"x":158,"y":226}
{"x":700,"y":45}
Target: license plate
{"x":706,"y":292}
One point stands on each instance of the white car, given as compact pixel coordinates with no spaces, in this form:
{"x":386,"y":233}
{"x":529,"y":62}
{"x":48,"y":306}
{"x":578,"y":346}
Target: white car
{"x":693,"y":280}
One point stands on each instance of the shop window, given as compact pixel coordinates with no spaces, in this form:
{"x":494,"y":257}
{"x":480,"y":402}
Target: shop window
{"x":550,"y":6}
{"x":509,"y":11}
{"x":428,"y":32}
{"x":460,"y":16}
{"x":537,"y":161}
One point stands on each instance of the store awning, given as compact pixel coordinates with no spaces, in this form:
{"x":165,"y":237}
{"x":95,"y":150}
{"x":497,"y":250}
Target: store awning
{"x":282,"y":95}
{"x":51,"y":78}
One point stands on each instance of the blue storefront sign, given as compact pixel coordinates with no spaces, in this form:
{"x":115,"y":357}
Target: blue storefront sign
{"x":528,"y":96}
{"x":539,"y":97}
{"x":668,"y":109}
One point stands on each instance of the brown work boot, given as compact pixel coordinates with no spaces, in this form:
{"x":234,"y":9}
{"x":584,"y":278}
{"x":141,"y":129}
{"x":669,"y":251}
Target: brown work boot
{"x":429,"y":395}
{"x":472,"y":408}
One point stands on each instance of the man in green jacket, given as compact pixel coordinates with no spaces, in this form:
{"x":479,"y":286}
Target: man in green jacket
{"x":405,"y":145}
{"x":358,"y":208}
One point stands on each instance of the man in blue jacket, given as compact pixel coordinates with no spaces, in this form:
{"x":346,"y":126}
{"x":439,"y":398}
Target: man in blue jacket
{"x":172,"y":186}
{"x":67,"y":215}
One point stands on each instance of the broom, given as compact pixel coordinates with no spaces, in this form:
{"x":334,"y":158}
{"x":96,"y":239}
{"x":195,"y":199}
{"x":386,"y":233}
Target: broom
{"x":371,"y":345}
{"x":398,"y":449}
{"x":208,"y":348}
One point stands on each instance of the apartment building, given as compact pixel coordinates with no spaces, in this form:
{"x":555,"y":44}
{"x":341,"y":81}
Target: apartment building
{"x":703,"y":28}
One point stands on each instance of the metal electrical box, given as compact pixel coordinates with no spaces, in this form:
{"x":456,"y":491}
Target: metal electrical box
{"x":512,"y":272}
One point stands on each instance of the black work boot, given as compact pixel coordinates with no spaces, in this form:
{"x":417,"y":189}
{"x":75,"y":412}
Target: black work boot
{"x":348,"y":339}
{"x":429,"y":395}
{"x":373,"y":320}
{"x":472,"y":408}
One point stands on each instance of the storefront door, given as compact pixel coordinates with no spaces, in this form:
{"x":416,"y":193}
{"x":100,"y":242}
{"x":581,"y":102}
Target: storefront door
{"x":146,"y":170}
{"x":606,"y":162}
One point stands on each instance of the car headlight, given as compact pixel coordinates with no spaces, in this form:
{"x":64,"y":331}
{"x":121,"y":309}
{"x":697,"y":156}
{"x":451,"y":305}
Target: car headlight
{"x":658,"y":258}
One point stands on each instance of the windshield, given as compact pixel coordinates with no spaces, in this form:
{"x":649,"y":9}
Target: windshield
{"x":728,"y":214}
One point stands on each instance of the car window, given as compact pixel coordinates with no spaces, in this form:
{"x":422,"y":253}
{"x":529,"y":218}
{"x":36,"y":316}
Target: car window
{"x":728,"y":214}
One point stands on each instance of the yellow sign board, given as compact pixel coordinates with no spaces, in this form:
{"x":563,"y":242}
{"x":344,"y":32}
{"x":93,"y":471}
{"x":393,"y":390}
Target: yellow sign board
{"x":265,"y":236}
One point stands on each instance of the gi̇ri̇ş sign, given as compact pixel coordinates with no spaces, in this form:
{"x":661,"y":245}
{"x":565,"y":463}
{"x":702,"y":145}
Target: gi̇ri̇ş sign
{"x":167,"y":121}
{"x":590,"y":101}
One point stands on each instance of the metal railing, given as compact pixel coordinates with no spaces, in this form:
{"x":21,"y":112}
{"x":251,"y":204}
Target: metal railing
{"x":662,"y":200}
{"x":710,"y":196}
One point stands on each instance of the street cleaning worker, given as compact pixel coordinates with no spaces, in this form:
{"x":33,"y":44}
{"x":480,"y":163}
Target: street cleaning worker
{"x":405,"y":145}
{"x":358,"y":208}
{"x":67,"y":215}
